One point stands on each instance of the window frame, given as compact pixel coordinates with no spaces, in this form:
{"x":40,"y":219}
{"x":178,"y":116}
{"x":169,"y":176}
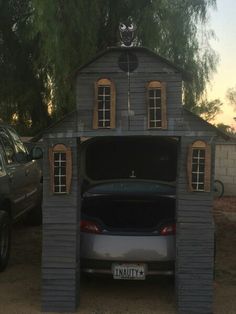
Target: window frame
{"x":152,"y":85}
{"x":60,"y":148}
{"x":100,"y":83}
{"x":200,"y":145}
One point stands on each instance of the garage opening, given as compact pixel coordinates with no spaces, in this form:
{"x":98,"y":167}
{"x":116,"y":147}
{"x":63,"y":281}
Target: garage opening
{"x":129,"y":183}
{"x":141,"y":158}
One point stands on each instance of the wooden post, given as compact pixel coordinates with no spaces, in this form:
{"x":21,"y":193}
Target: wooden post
{"x":194,"y":243}
{"x":60,"y":252}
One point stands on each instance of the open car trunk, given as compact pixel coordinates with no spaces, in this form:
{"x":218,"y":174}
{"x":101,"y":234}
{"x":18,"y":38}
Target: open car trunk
{"x":129,"y":182}
{"x":130,"y":214}
{"x":141,"y":158}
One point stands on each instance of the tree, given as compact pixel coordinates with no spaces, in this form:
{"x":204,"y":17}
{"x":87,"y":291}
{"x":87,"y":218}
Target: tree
{"x":67,"y":38}
{"x":208,"y":110}
{"x":21,"y":84}
{"x":179,"y":32}
{"x":49,"y":39}
{"x":231,"y":96}
{"x":226,"y":128}
{"x":70,"y":34}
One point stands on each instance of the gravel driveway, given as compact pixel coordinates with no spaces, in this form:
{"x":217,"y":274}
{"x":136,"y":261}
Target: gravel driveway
{"x":20,"y":283}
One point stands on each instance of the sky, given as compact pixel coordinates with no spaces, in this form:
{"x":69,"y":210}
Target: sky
{"x":223,"y":22}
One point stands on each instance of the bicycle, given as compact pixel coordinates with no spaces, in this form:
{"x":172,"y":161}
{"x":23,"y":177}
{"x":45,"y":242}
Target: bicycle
{"x":218,"y":188}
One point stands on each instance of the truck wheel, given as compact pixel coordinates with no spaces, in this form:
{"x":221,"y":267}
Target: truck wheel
{"x":5,"y":239}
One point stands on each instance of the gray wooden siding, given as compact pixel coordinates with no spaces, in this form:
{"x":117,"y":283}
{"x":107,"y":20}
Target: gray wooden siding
{"x":138,"y":106}
{"x":79,"y":123}
{"x":67,"y":126}
{"x":194,"y":243}
{"x":149,"y":69}
{"x":178,"y":120}
{"x":60,"y":255}
{"x":108,"y":63}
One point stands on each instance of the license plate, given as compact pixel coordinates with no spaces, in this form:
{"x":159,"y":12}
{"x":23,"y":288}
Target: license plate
{"x":129,"y":271}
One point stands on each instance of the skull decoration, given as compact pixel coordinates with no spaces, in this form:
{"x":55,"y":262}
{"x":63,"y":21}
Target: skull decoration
{"x":127,"y":33}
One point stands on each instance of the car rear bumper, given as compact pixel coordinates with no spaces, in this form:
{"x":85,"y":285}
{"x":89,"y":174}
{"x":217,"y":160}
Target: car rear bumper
{"x":105,"y":267}
{"x":98,"y":252}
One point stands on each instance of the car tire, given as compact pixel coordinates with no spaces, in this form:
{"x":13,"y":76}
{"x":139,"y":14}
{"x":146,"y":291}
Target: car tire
{"x":5,"y":239}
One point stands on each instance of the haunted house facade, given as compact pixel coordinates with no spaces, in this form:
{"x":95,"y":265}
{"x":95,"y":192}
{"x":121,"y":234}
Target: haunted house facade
{"x":129,"y":92}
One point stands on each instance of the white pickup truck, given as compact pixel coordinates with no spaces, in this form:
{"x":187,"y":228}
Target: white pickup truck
{"x":20,"y":185}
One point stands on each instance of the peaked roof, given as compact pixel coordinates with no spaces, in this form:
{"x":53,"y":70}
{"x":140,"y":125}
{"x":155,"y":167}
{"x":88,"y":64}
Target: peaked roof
{"x":39,"y":135}
{"x":209,"y":125}
{"x":186,"y":75}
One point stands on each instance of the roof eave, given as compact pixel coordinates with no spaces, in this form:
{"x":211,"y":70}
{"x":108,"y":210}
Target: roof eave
{"x":187,"y":76}
{"x":211,"y":126}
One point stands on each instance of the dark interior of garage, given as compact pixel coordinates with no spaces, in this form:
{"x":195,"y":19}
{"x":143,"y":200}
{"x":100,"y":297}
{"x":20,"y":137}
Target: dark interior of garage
{"x":146,"y":158}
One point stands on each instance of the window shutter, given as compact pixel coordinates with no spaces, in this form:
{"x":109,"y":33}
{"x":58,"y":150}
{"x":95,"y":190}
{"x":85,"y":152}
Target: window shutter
{"x":68,"y":169}
{"x":113,"y":106}
{"x":189,"y":167}
{"x":51,"y":168}
{"x":163,"y":106}
{"x":95,"y":110}
{"x":208,"y":169}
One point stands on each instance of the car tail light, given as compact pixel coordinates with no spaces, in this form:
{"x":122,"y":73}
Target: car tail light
{"x":89,"y":227}
{"x":169,"y":229}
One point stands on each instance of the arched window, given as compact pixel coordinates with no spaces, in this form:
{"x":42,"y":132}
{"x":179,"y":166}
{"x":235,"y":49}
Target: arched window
{"x":156,"y":103}
{"x":199,"y":166}
{"x":104,"y":109}
{"x":60,"y":168}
